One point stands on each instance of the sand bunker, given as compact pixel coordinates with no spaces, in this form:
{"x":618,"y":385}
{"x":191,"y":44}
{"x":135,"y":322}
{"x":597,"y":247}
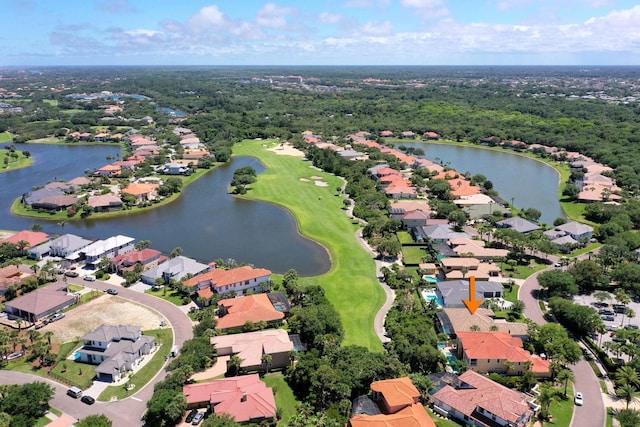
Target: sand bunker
{"x":304,"y":180}
{"x":287,"y":149}
{"x":320,"y":183}
{"x":316,"y":177}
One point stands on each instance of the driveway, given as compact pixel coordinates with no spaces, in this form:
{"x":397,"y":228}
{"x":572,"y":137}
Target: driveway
{"x":126,"y":412}
{"x":593,"y":412}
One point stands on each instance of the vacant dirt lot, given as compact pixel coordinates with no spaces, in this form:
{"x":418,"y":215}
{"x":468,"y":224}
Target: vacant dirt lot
{"x":107,"y":309}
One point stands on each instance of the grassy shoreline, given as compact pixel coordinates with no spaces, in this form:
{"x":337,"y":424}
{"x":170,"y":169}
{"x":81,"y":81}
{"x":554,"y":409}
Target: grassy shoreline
{"x":351,"y":284}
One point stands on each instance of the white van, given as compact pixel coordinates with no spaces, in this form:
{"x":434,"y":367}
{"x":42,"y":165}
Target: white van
{"x":74,"y":392}
{"x":174,"y":351}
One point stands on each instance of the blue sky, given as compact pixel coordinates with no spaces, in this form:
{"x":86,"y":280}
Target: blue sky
{"x":320,"y":32}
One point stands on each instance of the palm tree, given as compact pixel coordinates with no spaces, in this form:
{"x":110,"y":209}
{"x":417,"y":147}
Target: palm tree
{"x":564,"y":376}
{"x":266,"y":361}
{"x":628,"y":418}
{"x":233,"y":365}
{"x":47,"y":335}
{"x":474,"y":328}
{"x":630,"y":315}
{"x":627,"y":375}
{"x":545,"y":398}
{"x":627,"y":392}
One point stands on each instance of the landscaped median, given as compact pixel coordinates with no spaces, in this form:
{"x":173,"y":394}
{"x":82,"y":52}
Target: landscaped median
{"x":351,"y":284}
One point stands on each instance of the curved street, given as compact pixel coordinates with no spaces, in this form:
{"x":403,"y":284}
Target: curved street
{"x":128,"y":411}
{"x":592,"y":414}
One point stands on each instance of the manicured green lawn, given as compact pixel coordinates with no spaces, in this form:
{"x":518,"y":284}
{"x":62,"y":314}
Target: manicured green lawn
{"x":522,"y":271}
{"x":404,"y":237}
{"x":164,"y":337}
{"x":75,"y":288}
{"x":20,"y":162}
{"x":442,"y":422}
{"x":6,"y":137}
{"x":351,"y":284}
{"x":167,"y":294}
{"x":285,"y":400}
{"x":412,"y":255}
{"x":511,"y":295}
{"x":78,"y":374}
{"x":562,"y":410}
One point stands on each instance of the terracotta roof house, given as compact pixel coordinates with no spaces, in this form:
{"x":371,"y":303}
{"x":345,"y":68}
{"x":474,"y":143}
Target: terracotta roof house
{"x":398,"y":403}
{"x":486,"y":352}
{"x":245,"y":398}
{"x":235,"y":312}
{"x":219,"y":281}
{"x":251,"y":346}
{"x":518,"y":224}
{"x":454,"y":320}
{"x":386,"y":134}
{"x":476,"y":249}
{"x":452,"y":292}
{"x":174,"y":268}
{"x":115,"y":349}
{"x":142,"y":191}
{"x":408,"y":134}
{"x":11,"y":275}
{"x":146,"y":257}
{"x":108,"y":170}
{"x":40,"y":303}
{"x":33,"y":238}
{"x":105,"y":202}
{"x":401,"y":190}
{"x":431,"y":135}
{"x":400,"y":207}
{"x":477,"y":400}
{"x":79,"y":181}
{"x":415,"y":218}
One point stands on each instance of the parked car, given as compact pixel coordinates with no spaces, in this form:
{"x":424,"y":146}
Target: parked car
{"x":74,"y":392}
{"x":191,"y":415}
{"x":197,"y":419}
{"x":620,"y":309}
{"x":631,"y":326}
{"x":89,"y":278}
{"x":112,"y":291}
{"x":71,"y":273}
{"x":56,"y":317}
{"x":612,"y":328}
{"x":607,"y":311}
{"x":578,"y":399}
{"x":88,"y":400}
{"x":619,"y":339}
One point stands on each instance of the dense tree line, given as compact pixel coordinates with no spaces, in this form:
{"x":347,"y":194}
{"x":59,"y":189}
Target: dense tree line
{"x":22,"y":405}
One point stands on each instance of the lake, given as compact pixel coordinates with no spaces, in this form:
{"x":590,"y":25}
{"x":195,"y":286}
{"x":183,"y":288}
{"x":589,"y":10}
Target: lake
{"x":530,"y":183}
{"x":206,"y":221}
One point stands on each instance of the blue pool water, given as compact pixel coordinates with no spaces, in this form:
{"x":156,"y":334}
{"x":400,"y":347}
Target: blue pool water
{"x":76,"y":356}
{"x":429,"y":295}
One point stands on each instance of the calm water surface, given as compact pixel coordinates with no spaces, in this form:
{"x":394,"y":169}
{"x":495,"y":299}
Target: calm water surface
{"x":206,"y":222}
{"x":530,"y":183}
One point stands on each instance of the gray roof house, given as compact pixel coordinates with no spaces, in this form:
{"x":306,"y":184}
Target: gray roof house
{"x":175,"y":268}
{"x":576,"y":230}
{"x":115,"y":349}
{"x":35,"y":196}
{"x":438,"y":233}
{"x":67,"y":244}
{"x":452,"y":292}
{"x":40,"y":303}
{"x":518,"y":224}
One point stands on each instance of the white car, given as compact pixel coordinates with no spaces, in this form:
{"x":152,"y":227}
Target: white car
{"x":578,"y":399}
{"x":90,"y":278}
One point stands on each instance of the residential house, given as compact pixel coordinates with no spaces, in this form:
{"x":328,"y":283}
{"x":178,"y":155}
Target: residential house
{"x":252,"y":346}
{"x":245,"y":398}
{"x":147,"y":258}
{"x":105,"y":202}
{"x":452,"y":292}
{"x":31,"y":197}
{"x":408,"y":134}
{"x":394,"y":402}
{"x":464,"y":267}
{"x":115,"y":349}
{"x":108,"y":248}
{"x":437,"y":233}
{"x":454,"y":320}
{"x":175,"y":169}
{"x":11,"y":275}
{"x":33,"y":238}
{"x":143,"y":192}
{"x":108,"y":170}
{"x":430,"y":135}
{"x":63,"y":246}
{"x":400,"y":207}
{"x":55,"y":203}
{"x":478,"y":401}
{"x":493,"y":351}
{"x":577,"y":231}
{"x":239,"y":280}
{"x":40,"y":303}
{"x":386,"y":134}
{"x":236,"y":312}
{"x":518,"y":224}
{"x":174,"y":268}
{"x":415,"y":219}
{"x":476,"y":248}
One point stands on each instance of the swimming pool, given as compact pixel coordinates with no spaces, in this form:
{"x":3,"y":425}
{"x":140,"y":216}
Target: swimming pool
{"x":429,"y":294}
{"x":430,"y":279}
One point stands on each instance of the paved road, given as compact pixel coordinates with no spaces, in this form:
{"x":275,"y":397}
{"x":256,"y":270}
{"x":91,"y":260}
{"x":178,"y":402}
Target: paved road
{"x":592,"y":414}
{"x":125,"y":412}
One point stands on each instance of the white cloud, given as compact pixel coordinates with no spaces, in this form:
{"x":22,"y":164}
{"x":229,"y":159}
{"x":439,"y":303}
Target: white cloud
{"x":273,"y":16}
{"x":427,"y":8}
{"x":329,"y":18}
{"x":373,"y":29}
{"x":207,"y":17}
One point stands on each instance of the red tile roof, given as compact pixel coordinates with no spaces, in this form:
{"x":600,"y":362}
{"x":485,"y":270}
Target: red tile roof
{"x":397,"y":391}
{"x":250,"y":308}
{"x":411,"y":416}
{"x":245,"y":398}
{"x":140,"y":188}
{"x":220,"y":278}
{"x":33,"y":237}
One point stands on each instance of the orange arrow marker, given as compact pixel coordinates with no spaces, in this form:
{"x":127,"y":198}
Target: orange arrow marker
{"x":472,"y":303}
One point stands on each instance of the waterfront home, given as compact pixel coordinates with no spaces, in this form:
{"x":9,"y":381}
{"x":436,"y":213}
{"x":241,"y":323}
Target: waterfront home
{"x":518,"y":224}
{"x":62,"y":246}
{"x":478,"y":401}
{"x":175,"y":169}
{"x":576,"y":230}
{"x":487,"y":352}
{"x":105,"y":202}
{"x":108,"y":170}
{"x":252,"y":346}
{"x":245,"y":398}
{"x":108,"y":248}
{"x":115,"y":349}
{"x":174,"y":268}
{"x":239,"y":280}
{"x":32,"y":238}
{"x":40,"y":303}
{"x":143,"y":192}
{"x":394,"y":402}
{"x":236,"y":312}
